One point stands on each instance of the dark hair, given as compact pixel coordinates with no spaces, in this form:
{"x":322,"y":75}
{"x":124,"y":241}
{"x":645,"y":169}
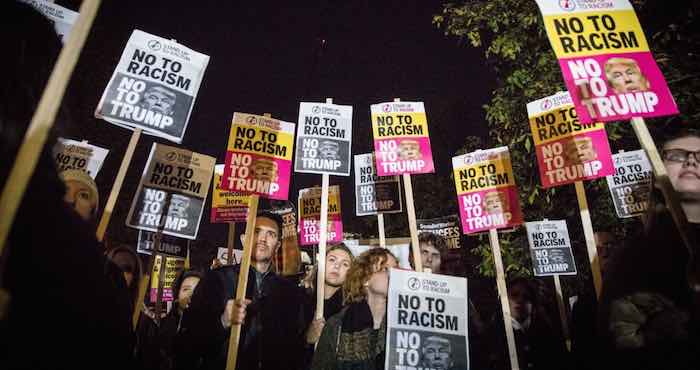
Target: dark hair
{"x":184,"y":274}
{"x":274,"y":217}
{"x":136,"y":269}
{"x":437,"y":241}
{"x":528,"y":284}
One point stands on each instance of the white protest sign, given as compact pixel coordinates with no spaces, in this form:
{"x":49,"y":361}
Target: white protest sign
{"x":550,"y":248}
{"x":324,"y":137}
{"x":222,"y":255}
{"x":76,"y":155}
{"x":426,"y":322}
{"x":375,"y":194}
{"x":170,"y":245}
{"x":62,"y":18}
{"x":172,"y":191}
{"x":631,"y":184}
{"x":154,"y":86}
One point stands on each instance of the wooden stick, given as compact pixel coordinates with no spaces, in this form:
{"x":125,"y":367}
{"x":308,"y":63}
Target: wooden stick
{"x":412,"y":224}
{"x":323,"y":226}
{"x":116,"y":187}
{"x":380,"y":226}
{"x":43,"y":119}
{"x":143,"y":287}
{"x":503,"y":295}
{"x":562,"y":312}
{"x":187,"y":258}
{"x":230,"y":243}
{"x":159,"y":288}
{"x":243,"y":278}
{"x":590,"y":238}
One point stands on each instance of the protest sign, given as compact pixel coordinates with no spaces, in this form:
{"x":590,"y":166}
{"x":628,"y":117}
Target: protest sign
{"x":226,"y":206}
{"x":426,"y":321}
{"x":401,"y":141}
{"x":310,"y":215}
{"x":290,"y":261}
{"x":375,"y":194}
{"x":605,"y":60}
{"x":630,"y":186}
{"x":154,"y":86}
{"x":550,"y":248}
{"x":447,"y":227}
{"x":170,"y":245}
{"x":75,"y":155}
{"x":62,"y":18}
{"x":486,"y":190}
{"x":259,"y":156}
{"x":324,"y":138}
{"x":567,"y":150}
{"x":173,"y":266}
{"x":177,"y":179}
{"x":222,"y":255}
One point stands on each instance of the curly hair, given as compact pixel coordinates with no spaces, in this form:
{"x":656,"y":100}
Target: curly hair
{"x":360,"y":272}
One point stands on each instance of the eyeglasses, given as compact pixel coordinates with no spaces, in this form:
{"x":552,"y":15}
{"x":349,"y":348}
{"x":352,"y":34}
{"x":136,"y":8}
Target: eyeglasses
{"x":680,"y":155}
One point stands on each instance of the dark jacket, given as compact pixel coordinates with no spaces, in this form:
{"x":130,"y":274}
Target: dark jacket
{"x":331,"y":306}
{"x":646,"y":312}
{"x":272,"y":336}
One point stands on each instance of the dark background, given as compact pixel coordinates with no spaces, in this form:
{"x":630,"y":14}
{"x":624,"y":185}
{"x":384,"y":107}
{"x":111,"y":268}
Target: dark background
{"x":268,"y":56}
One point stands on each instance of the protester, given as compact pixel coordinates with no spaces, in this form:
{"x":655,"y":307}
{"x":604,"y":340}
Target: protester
{"x":648,"y":318}
{"x":62,"y":312}
{"x":272,"y":315}
{"x":81,"y":193}
{"x":538,"y":344}
{"x":129,"y":264}
{"x":355,"y":338}
{"x":156,"y":346}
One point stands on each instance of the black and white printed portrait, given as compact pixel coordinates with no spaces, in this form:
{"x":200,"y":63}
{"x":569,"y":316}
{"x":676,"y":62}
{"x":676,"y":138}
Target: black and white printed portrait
{"x":178,"y":206}
{"x":329,"y":149}
{"x":158,"y":99}
{"x":436,"y":353}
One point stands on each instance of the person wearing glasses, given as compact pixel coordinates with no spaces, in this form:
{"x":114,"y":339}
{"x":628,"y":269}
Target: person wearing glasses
{"x":649,"y":306}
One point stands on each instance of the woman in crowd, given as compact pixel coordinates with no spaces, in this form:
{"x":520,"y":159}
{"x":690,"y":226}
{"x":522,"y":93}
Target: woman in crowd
{"x":649,"y":306}
{"x":355,"y":338}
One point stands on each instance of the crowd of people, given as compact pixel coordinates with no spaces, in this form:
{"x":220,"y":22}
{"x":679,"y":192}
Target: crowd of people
{"x":66,"y":301}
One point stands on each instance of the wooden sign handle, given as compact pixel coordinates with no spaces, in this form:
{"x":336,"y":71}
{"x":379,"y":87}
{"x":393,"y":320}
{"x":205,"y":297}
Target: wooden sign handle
{"x":503,"y":295}
{"x":235,"y":335}
{"x":43,"y":119}
{"x":562,"y":312}
{"x":380,"y":227}
{"x":117,"y":186}
{"x":230,"y":242}
{"x":590,"y":238}
{"x":322,"y":238}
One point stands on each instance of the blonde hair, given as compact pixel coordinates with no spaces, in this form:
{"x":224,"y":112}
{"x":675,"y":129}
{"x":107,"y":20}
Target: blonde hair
{"x":627,"y":62}
{"x":360,"y":272}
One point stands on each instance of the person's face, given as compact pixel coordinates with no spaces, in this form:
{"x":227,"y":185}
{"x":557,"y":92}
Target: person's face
{"x":328,"y":150}
{"x":520,"y":302}
{"x":684,"y":175}
{"x":337,"y":265}
{"x":430,"y":256}
{"x":265,"y":170}
{"x":580,"y":150}
{"x":437,"y":355}
{"x":267,"y":239}
{"x":603,"y":241}
{"x":626,"y":78}
{"x":493,"y":203}
{"x":159,"y":100}
{"x":409,"y":149}
{"x":79,"y":196}
{"x":186,"y":289}
{"x":178,"y":206}
{"x":378,"y":283}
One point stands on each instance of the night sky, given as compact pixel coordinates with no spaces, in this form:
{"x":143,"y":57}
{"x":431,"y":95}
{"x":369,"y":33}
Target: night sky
{"x":266,"y":57}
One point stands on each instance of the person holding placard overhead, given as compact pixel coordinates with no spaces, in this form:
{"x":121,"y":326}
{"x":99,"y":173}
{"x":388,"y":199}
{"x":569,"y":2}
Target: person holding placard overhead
{"x":649,"y":306}
{"x":272,"y":315}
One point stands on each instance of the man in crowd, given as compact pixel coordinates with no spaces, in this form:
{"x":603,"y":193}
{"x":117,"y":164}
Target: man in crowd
{"x":272,"y":318}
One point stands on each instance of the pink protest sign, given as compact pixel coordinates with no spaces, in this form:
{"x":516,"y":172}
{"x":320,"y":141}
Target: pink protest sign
{"x":401,"y":140}
{"x":486,"y":190}
{"x":310,"y":216}
{"x":259,"y":156}
{"x":567,"y":150}
{"x":605,"y":60}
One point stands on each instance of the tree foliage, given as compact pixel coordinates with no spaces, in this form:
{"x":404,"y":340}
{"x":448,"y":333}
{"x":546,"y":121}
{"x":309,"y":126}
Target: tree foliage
{"x":513,"y":38}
